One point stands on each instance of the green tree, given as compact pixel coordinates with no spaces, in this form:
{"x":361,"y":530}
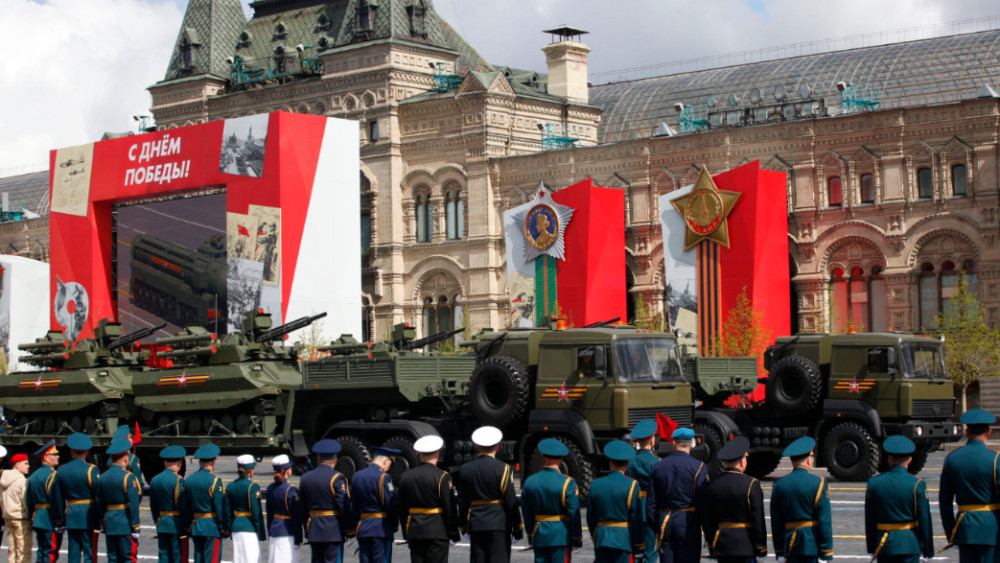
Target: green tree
{"x":645,"y":317}
{"x":309,"y":340}
{"x":971,"y":347}
{"x":743,"y":333}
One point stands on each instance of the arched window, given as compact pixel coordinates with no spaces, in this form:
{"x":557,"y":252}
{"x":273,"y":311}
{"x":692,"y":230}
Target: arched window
{"x":867,"y":188}
{"x":959,"y":180}
{"x":438,"y":315}
{"x":186,"y":54}
{"x":857,"y":299}
{"x":454,"y":211}
{"x":834,"y":191}
{"x":925,"y":186}
{"x":424,"y":211}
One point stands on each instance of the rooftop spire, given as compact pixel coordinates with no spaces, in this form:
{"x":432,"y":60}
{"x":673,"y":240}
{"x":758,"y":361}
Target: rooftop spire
{"x":207,"y":36}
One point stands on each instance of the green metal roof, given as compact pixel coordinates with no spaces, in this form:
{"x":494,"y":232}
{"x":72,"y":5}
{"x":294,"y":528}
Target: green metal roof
{"x":209,"y":30}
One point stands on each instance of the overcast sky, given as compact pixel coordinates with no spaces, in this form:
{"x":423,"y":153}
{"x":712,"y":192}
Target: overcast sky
{"x":74,"y":69}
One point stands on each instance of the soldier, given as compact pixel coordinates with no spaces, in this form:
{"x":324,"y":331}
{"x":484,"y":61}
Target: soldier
{"x":613,"y":515}
{"x":897,"y":513}
{"x":73,"y":500}
{"x":731,"y":509}
{"x":206,"y":500}
{"x":375,"y":509}
{"x":644,"y":434}
{"x":119,"y":493}
{"x":801,"y":523}
{"x":427,"y":505}
{"x":133,"y":466}
{"x":551,"y":507}
{"x":15,"y":511}
{"x":490,"y":513}
{"x":284,"y":514}
{"x":41,"y":505}
{"x":675,"y":482}
{"x":245,"y":515}
{"x":168,"y":503}
{"x":969,"y":477}
{"x":326,"y":505}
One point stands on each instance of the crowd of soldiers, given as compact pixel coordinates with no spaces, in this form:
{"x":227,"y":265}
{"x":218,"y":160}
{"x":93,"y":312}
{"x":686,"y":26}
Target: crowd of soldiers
{"x":644,"y":508}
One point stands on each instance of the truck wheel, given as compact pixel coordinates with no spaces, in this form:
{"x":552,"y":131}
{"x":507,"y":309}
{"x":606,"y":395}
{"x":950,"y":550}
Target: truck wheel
{"x":500,"y":391}
{"x":576,"y":465}
{"x":762,"y":464}
{"x":851,"y":453}
{"x":353,"y":456}
{"x":919,"y":460}
{"x":712,"y":439}
{"x":406,"y":459}
{"x":794,"y":385}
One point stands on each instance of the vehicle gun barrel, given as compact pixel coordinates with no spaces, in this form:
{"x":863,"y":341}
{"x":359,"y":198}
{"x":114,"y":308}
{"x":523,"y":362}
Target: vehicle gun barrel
{"x":134,"y":337}
{"x":46,"y":359}
{"x":279,"y":332}
{"x":43,"y":346}
{"x":186,"y":340}
{"x":186,"y":352}
{"x":343,"y":348}
{"x":433,"y":339}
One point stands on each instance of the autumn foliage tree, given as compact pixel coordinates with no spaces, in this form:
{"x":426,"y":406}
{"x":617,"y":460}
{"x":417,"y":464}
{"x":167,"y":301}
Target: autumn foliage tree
{"x":743,"y":333}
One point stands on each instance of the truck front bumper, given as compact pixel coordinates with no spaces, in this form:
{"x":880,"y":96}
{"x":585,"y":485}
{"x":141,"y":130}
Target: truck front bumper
{"x":925,"y":431}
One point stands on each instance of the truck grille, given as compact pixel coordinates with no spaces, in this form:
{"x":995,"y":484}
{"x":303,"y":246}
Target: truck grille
{"x":933,"y":408}
{"x":681,"y":415}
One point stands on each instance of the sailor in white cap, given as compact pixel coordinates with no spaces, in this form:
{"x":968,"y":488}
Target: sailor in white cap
{"x":426,"y":505}
{"x":284,"y":514}
{"x":245,"y":516}
{"x":490,"y":511}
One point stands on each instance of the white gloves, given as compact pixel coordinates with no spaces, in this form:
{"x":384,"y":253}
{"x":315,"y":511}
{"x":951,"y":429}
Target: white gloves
{"x":781,"y":559}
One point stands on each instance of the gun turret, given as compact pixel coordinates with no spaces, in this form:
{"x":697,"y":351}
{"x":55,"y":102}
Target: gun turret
{"x":344,"y":345}
{"x":54,"y":340}
{"x":134,"y":337}
{"x":279,"y":332}
{"x":190,"y":337}
{"x":54,"y":359}
{"x":188,"y":352}
{"x":433,"y":339}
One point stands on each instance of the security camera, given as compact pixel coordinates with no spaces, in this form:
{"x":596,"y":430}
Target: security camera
{"x":300,"y":47}
{"x":230,"y":60}
{"x":432,"y":64}
{"x":541,"y":126}
{"x":841,"y":86}
{"x":679,"y":107}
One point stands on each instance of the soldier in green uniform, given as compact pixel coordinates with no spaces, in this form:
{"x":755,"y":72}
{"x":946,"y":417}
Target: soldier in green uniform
{"x":41,"y":507}
{"x":168,"y":503}
{"x":644,"y":434}
{"x":897,"y":513}
{"x":243,"y":500}
{"x":209,"y":511}
{"x":969,"y":478}
{"x":551,"y":507}
{"x":75,"y":492}
{"x":731,"y":509}
{"x":133,"y":466}
{"x":613,"y":514}
{"x":118,"y":496}
{"x":801,"y":523}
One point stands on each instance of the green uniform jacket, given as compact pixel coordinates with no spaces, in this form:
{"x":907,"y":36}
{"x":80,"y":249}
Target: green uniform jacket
{"x":74,"y":494}
{"x":798,"y":498}
{"x":168,"y":503}
{"x":118,"y":496}
{"x":613,"y":514}
{"x":207,"y":503}
{"x":969,"y":477}
{"x":41,"y":511}
{"x":896,"y":497}
{"x":243,"y":498}
{"x":551,"y":509}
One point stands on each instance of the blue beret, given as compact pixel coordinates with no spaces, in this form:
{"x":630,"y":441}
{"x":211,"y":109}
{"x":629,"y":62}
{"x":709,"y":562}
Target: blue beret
{"x":172,"y":452}
{"x":207,"y":452}
{"x":802,"y":446}
{"x":734,"y":449}
{"x":119,"y":445}
{"x":326,"y":447}
{"x":978,"y":416}
{"x":644,"y":429}
{"x":79,"y":442}
{"x":899,"y":445}
{"x":619,"y":450}
{"x":552,"y":447}
{"x":682,"y":434}
{"x":387,"y":452}
{"x":51,"y":444}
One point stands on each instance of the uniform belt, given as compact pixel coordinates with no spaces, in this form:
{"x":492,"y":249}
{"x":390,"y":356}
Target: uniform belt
{"x":688,"y":509}
{"x":550,"y":518}
{"x":169,"y":513}
{"x":116,"y":507}
{"x":323,"y":513}
{"x":978,"y":507}
{"x":425,"y":511}
{"x":897,"y":526}
{"x":642,"y":494}
{"x":246,"y":513}
{"x":43,"y":505}
{"x":799,"y":524}
{"x":370,"y":515}
{"x":80,"y":501}
{"x":204,"y":515}
{"x":282,"y":516}
{"x":723,"y":525}
{"x":612,"y":524}
{"x":485,"y":502}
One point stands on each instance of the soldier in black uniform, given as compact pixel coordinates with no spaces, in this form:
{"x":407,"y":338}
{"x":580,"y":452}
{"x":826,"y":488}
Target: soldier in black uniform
{"x":490,"y":510}
{"x":732,"y":509}
{"x":427,"y":510}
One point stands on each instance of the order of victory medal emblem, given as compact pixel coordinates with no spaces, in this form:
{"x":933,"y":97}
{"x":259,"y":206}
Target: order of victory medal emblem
{"x":541,"y":226}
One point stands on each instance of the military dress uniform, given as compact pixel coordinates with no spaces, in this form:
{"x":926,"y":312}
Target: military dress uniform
{"x":490,"y":511}
{"x":427,"y":510}
{"x":284,"y":517}
{"x":897,"y":512}
{"x":639,"y":470}
{"x":132,"y":466}
{"x":206,"y":499}
{"x":245,"y":516}
{"x":801,"y":521}
{"x":41,"y":508}
{"x":551,"y":508}
{"x":168,"y":504}
{"x":675,"y":482}
{"x":76,"y":491}
{"x":731,"y":510}
{"x":376,"y":511}
{"x":118,"y":496}
{"x":326,"y":507}
{"x":613,"y":515}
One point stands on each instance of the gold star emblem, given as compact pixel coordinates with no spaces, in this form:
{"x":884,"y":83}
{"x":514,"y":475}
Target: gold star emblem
{"x":705,"y":210}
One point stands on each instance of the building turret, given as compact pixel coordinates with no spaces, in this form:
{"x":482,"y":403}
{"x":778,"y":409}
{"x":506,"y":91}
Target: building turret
{"x":567,"y":61}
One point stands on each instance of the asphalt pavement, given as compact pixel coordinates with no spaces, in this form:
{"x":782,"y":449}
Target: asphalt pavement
{"x":847,"y":499}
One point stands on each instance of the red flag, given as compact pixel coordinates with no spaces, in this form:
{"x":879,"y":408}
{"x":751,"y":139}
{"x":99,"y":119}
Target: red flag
{"x":665,"y":426}
{"x":243,"y":230}
{"x":137,"y":437}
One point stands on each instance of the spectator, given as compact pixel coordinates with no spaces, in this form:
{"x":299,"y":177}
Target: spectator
{"x":13,"y":486}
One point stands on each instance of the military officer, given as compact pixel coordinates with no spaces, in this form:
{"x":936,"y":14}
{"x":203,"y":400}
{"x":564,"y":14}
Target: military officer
{"x":490,"y":511}
{"x":118,"y":496}
{"x":206,"y":499}
{"x":644,"y":435}
{"x":731,"y":509}
{"x":375,"y":508}
{"x":801,"y":523}
{"x":40,"y":499}
{"x":427,"y":508}
{"x":76,"y":488}
{"x":133,"y":466}
{"x":969,"y":478}
{"x":168,"y":504}
{"x":284,"y":514}
{"x":613,"y":515}
{"x":551,"y":507}
{"x":326,"y":505}
{"x":897,"y":512}
{"x":245,"y":515}
{"x":675,"y":482}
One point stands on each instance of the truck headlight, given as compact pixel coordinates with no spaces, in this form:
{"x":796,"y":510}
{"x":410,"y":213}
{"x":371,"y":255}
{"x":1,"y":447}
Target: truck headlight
{"x":918,"y":431}
{"x":954,"y":429}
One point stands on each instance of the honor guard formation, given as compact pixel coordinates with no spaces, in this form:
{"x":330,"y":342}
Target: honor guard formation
{"x":645,"y":508}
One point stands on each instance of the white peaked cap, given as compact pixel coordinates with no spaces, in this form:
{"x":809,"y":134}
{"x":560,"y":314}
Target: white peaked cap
{"x":428,"y":444}
{"x":487,"y":436}
{"x":245,"y":459}
{"x":3,"y":451}
{"x":280,"y":460}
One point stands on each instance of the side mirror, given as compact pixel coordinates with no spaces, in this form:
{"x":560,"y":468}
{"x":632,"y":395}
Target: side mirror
{"x":599,"y":359}
{"x":890,"y":357}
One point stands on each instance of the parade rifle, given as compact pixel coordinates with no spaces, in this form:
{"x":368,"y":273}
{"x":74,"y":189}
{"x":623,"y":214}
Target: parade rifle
{"x":134,"y":337}
{"x":433,"y":339}
{"x":278,"y":332}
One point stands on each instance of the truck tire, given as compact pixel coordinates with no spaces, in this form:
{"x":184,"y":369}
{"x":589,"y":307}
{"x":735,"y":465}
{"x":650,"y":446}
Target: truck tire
{"x":500,"y":391}
{"x":850,"y":452}
{"x":406,"y":459}
{"x":794,"y":386}
{"x":575,"y":464}
{"x":353,"y":457}
{"x":762,"y":464}
{"x":919,"y":460}
{"x":712,"y":439}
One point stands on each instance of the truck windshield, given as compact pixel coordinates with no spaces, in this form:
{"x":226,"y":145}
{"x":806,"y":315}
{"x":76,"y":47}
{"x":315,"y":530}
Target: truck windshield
{"x":922,"y":359}
{"x":647,"y":359}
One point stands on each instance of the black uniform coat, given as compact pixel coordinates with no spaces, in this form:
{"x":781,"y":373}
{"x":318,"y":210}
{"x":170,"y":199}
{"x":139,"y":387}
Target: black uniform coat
{"x":732,"y":515}
{"x":426,"y":504}
{"x":489,"y":503}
